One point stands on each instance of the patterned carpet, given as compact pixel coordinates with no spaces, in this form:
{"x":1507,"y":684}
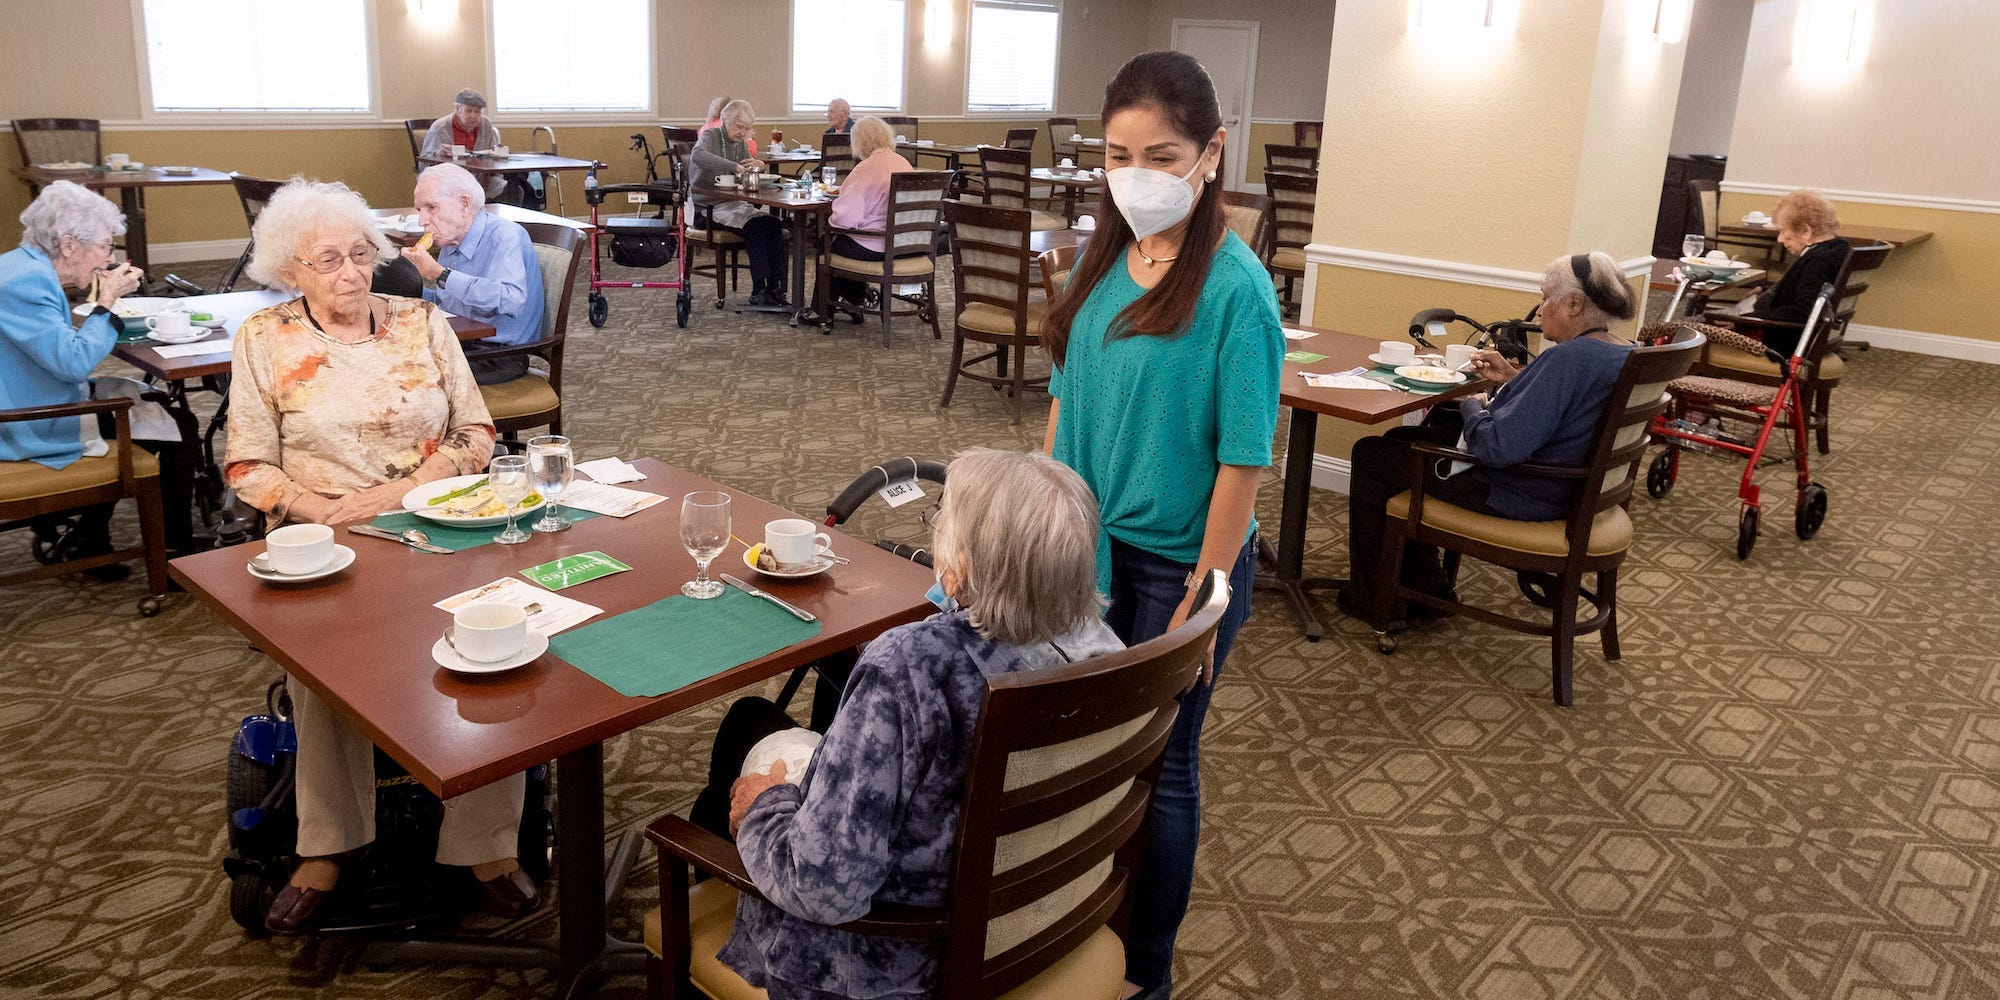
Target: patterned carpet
{"x":1789,"y":787}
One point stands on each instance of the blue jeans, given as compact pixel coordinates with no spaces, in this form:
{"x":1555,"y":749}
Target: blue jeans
{"x":1145,"y":591}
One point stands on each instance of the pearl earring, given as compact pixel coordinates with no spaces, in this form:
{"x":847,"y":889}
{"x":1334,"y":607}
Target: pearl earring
{"x":1211,"y":175}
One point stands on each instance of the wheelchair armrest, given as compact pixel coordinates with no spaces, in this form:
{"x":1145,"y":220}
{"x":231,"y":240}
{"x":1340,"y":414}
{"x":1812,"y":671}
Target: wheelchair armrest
{"x":85,"y":408}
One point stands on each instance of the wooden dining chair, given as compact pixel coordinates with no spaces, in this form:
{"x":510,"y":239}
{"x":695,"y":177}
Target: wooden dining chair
{"x":837,"y":151}
{"x":909,"y":244}
{"x":30,"y":490}
{"x":1249,"y":217}
{"x":253,"y":193}
{"x":1060,"y":129}
{"x":725,"y":249}
{"x":1301,"y":161}
{"x":1021,"y":138}
{"x":677,"y":142}
{"x":1059,"y":775}
{"x":1704,"y":208}
{"x":535,"y":398}
{"x":1592,"y":538}
{"x":1055,"y":263}
{"x":1292,"y":198}
{"x":416,"y":129}
{"x":990,"y":258}
{"x":58,"y":140}
{"x":908,"y":127}
{"x":1307,"y":133}
{"x":1008,"y":185}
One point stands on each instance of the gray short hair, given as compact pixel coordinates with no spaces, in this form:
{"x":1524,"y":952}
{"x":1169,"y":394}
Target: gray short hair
{"x":871,"y":134}
{"x":66,"y":208}
{"x":738,"y":110}
{"x":1019,"y":529}
{"x":1606,"y":299}
{"x":301,"y":209}
{"x":841,"y":103}
{"x":455,"y":180}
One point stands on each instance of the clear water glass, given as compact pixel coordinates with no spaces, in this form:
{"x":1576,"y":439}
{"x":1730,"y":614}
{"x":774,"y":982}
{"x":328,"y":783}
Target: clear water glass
{"x":1693,"y":244}
{"x":550,"y":465}
{"x":508,"y":476}
{"x":705,"y":533}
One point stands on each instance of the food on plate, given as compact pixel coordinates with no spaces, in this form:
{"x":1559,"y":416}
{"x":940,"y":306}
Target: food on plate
{"x":1428,"y":374}
{"x":425,"y":242}
{"x":201,"y":317}
{"x":477,"y":500}
{"x":65,"y":165}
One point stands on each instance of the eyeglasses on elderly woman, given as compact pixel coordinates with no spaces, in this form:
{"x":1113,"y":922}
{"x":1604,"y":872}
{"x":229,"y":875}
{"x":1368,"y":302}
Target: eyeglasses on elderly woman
{"x":364,"y":256}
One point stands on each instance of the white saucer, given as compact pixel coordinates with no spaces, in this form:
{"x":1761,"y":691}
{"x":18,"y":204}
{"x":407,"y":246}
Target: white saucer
{"x":449,"y":659}
{"x":821,"y":562}
{"x":343,"y":557}
{"x":1382,"y":362}
{"x":200,"y":330}
{"x":216,"y":321}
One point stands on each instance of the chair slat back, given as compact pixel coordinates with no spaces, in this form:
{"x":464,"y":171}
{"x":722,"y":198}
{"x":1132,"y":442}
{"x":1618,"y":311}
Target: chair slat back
{"x":415,"y":129}
{"x":58,"y":140}
{"x":558,"y":250}
{"x":837,"y":151}
{"x":989,"y":253}
{"x":1006,"y":173}
{"x":1291,"y":159}
{"x":254,"y":193}
{"x":1022,"y":138}
{"x":1704,"y":203}
{"x":1307,"y":133}
{"x":1292,"y":198}
{"x":914,"y":200}
{"x":1060,"y":129}
{"x":1639,"y":394}
{"x":1061,"y":765}
{"x":1249,"y":217}
{"x":908,"y":127}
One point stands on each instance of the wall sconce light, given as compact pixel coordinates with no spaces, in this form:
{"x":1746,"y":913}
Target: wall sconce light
{"x":1670,"y":20}
{"x":1460,"y":16}
{"x":431,"y":8}
{"x":937,"y":24}
{"x":1832,"y":34}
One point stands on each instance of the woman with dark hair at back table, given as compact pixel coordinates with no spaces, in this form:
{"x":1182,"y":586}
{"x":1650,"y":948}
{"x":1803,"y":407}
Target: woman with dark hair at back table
{"x":1167,"y":350}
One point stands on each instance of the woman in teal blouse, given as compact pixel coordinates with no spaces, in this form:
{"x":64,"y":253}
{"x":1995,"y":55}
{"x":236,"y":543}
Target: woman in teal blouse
{"x":1167,"y":351}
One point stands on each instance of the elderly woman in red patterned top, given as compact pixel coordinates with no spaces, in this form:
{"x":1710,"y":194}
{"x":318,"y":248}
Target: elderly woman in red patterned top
{"x":341,"y":402}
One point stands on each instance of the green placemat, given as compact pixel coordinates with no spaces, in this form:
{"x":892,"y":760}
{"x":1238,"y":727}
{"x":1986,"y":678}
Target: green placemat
{"x":460,"y":539}
{"x":673,"y":643}
{"x":1388,"y":377}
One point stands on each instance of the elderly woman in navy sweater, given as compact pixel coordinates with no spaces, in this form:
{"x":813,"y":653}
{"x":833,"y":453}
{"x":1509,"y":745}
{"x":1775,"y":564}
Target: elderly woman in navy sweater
{"x":1543,"y":413}
{"x":874,"y":812}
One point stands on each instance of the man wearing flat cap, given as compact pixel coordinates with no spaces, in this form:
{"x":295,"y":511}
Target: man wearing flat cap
{"x":467,"y":126}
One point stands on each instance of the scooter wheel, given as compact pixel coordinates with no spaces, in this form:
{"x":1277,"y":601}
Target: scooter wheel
{"x":1812,"y":511}
{"x":683,"y":305}
{"x":1746,"y":532}
{"x":1660,"y":475}
{"x":600,"y":310}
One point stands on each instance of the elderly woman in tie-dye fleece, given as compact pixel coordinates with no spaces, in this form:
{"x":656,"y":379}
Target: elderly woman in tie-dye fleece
{"x":341,"y":401}
{"x":873,"y":815}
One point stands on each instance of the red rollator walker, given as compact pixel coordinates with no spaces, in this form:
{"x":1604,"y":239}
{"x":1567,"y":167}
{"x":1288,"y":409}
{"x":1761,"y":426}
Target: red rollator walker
{"x":639,"y":240}
{"x":1769,"y":408}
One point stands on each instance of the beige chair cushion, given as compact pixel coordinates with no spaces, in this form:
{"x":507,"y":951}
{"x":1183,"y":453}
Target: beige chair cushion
{"x":1093,"y":970}
{"x":522,"y":397}
{"x":993,"y":319}
{"x":1610,"y":533}
{"x":1288,"y":259}
{"x":718,"y":236}
{"x":1831,"y":367}
{"x":33,"y":480}
{"x":906,"y":267}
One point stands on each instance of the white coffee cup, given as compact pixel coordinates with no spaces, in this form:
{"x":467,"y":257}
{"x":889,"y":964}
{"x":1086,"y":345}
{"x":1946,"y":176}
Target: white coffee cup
{"x":1457,"y":355}
{"x":297,"y":549}
{"x":1068,"y":164}
{"x":1085,"y":223}
{"x":170,"y":324}
{"x":1076,"y":137}
{"x":457,"y":150}
{"x":484,"y":632}
{"x":725,"y":181}
{"x":501,"y":151}
{"x":902,"y":138}
{"x":793,"y":542}
{"x":1397,"y":352}
{"x":117,"y":161}
{"x":1756,"y":218}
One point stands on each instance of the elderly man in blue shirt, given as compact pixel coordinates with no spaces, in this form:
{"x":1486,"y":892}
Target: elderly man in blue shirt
{"x":485,"y":268}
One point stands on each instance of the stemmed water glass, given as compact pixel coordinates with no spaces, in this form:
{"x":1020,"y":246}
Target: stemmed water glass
{"x":705,"y":532}
{"x":1692,"y":245}
{"x":508,"y":475}
{"x":550,"y":462}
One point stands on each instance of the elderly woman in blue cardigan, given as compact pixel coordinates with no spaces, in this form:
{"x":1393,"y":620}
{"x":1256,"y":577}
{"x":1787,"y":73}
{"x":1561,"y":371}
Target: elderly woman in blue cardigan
{"x":45,"y":360}
{"x":873,"y":812}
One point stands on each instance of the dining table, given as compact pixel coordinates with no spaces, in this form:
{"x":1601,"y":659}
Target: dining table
{"x":807,"y":209}
{"x":1858,"y":235}
{"x":1699,"y":292}
{"x":1072,"y":183}
{"x":409,"y":233}
{"x":131,"y":186}
{"x":952,"y":154}
{"x":491,"y":165}
{"x":1284,"y":569}
{"x":454,"y":732}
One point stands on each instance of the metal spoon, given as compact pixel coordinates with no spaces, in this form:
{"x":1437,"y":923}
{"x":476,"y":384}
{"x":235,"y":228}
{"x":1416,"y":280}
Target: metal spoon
{"x":416,"y":535}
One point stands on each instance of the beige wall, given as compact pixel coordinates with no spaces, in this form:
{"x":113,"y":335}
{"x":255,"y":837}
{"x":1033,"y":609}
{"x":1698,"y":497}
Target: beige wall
{"x":1718,"y":33}
{"x":1635,"y":82}
{"x":1293,"y":37}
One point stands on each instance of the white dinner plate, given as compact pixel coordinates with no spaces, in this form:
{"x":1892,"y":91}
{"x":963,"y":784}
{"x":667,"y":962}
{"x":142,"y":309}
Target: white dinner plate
{"x":178,"y":171}
{"x":343,"y":557}
{"x":196,"y":333}
{"x":449,"y":659}
{"x":215,"y":320}
{"x":418,"y":502}
{"x":821,"y":562}
{"x":1405,"y":374}
{"x":1734,"y":265}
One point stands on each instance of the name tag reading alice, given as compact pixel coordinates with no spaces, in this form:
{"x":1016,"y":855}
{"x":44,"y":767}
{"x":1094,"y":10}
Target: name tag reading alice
{"x":898,"y":494}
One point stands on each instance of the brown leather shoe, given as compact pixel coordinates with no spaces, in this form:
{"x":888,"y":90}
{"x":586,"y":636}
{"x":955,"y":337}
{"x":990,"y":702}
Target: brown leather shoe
{"x":294,"y":909}
{"x":510,"y":895}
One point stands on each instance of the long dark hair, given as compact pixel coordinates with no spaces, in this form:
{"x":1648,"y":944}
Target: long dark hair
{"x":1176,"y":85}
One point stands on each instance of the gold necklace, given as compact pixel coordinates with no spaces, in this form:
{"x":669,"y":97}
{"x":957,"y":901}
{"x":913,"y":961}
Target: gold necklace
{"x":1152,"y":261}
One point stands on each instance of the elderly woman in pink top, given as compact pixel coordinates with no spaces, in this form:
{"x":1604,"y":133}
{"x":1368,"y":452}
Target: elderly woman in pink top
{"x":863,"y":203}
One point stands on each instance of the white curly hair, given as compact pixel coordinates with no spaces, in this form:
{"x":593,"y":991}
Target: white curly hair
{"x":299,"y":211}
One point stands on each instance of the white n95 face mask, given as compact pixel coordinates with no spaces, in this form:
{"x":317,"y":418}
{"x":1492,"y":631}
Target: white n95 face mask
{"x":1151,"y":200}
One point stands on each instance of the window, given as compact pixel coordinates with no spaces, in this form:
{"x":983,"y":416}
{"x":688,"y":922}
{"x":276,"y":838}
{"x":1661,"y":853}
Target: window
{"x":848,"y":48}
{"x":584,"y":55}
{"x":248,"y":55}
{"x":1011,"y":59}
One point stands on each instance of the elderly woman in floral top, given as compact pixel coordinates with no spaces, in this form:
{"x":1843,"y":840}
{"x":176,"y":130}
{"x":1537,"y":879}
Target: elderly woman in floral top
{"x":341,"y":402}
{"x":873,"y":814}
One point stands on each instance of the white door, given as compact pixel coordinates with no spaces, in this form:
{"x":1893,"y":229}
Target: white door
{"x":1228,"y":50}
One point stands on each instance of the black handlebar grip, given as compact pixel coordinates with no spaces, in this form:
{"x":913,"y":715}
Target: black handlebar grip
{"x":916,"y":554}
{"x":893,"y":471}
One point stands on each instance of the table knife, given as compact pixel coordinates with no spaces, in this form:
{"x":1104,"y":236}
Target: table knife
{"x":799,"y":613}
{"x":375,"y":532}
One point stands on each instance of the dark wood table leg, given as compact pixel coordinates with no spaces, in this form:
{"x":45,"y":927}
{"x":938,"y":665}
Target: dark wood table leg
{"x":132,"y":201}
{"x":1286,"y":567}
{"x":798,"y":266}
{"x":585,"y":889}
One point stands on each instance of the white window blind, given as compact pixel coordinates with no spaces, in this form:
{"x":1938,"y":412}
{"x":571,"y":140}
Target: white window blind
{"x":252,"y":55}
{"x":582,"y":55}
{"x":1012,"y":60}
{"x":848,"y":48}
